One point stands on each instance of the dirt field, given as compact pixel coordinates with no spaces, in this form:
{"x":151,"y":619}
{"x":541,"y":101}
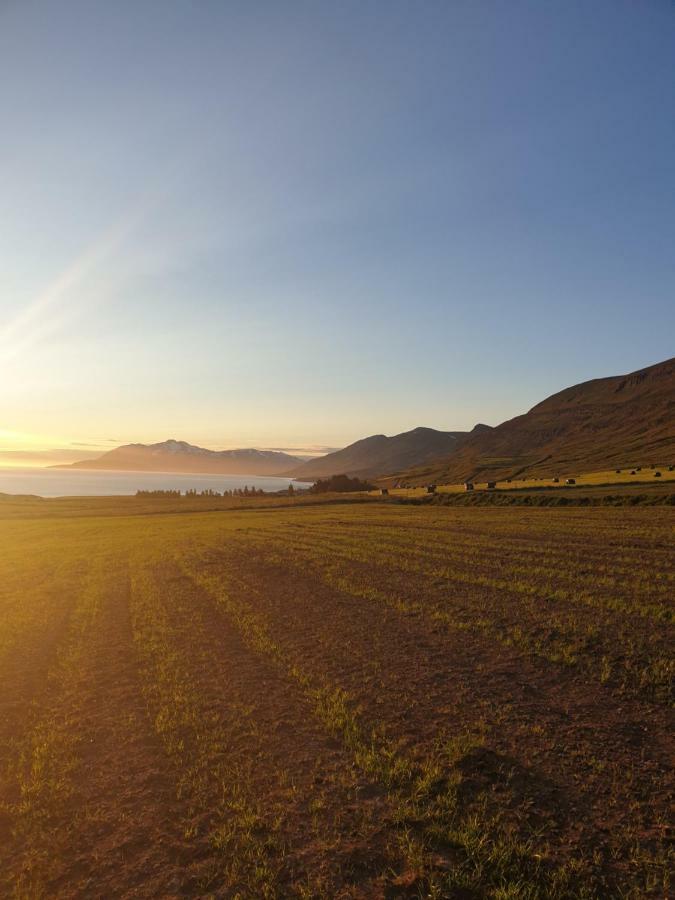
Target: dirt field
{"x":337,"y":700}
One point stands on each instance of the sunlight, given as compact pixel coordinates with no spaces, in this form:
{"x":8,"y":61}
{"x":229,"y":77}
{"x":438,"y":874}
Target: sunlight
{"x":48,"y":310}
{"x":12,"y":440}
{"x":24,"y":449}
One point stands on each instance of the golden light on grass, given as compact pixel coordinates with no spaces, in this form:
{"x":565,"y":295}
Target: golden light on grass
{"x":435,"y":697}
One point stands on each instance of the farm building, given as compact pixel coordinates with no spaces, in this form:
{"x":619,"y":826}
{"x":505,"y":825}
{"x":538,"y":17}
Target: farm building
{"x":431,"y":489}
{"x":556,"y":480}
{"x":468,"y":485}
{"x":384,"y":492}
{"x":491,"y":485}
{"x":570,"y":481}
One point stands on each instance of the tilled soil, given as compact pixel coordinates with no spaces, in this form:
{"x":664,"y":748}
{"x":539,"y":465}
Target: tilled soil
{"x":337,"y":701}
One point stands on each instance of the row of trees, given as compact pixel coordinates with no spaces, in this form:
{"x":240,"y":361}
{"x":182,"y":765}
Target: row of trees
{"x":158,"y":493}
{"x":246,"y":491}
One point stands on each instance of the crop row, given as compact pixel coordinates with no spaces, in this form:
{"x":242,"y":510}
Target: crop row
{"x":344,"y":639}
{"x":40,"y":772}
{"x":542,"y":619}
{"x":424,"y":790}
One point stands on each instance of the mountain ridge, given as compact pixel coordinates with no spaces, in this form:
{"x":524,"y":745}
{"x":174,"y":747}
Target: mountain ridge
{"x":180,"y":456}
{"x":377,"y":455}
{"x":620,"y":420}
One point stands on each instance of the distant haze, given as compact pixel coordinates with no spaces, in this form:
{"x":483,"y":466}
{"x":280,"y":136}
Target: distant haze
{"x":24,"y":458}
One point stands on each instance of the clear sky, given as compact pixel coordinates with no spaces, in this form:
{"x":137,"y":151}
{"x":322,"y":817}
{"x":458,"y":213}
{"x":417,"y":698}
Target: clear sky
{"x":294,"y":224}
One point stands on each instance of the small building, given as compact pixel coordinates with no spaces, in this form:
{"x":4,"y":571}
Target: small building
{"x":491,"y":485}
{"x":556,"y":481}
{"x":671,"y":468}
{"x":431,"y":489}
{"x":468,"y":485}
{"x":384,"y":492}
{"x":570,"y":481}
{"x":508,"y":481}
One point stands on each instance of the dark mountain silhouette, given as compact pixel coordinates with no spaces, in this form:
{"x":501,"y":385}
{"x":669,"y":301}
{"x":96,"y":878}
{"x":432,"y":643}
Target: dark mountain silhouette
{"x":379,"y":455}
{"x":625,"y":420}
{"x":179,"y":456}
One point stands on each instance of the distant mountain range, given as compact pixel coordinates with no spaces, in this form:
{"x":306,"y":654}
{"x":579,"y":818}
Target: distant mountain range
{"x":378,"y":455}
{"x":625,"y":420}
{"x":179,"y":456}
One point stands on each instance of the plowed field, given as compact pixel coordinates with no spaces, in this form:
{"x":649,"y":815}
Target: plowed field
{"x":363,"y":700}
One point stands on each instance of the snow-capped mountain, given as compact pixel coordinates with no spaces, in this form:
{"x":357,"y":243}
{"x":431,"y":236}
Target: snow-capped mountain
{"x":179,"y":456}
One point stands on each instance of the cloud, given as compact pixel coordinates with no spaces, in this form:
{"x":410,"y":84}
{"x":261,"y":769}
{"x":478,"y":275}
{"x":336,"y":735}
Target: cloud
{"x":316,"y":450}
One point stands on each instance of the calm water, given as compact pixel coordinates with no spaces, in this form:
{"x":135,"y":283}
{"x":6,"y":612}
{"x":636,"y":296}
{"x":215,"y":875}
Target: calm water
{"x":81,"y":483}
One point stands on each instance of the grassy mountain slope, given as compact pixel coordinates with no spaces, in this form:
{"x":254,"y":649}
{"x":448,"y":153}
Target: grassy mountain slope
{"x":378,"y":455}
{"x":626,"y":420}
{"x":179,"y":456}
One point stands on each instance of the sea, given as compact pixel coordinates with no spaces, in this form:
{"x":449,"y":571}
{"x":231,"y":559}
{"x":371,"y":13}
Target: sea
{"x":90,"y":483}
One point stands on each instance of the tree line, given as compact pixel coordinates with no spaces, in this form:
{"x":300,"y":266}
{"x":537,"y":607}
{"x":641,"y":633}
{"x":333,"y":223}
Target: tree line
{"x":246,"y":491}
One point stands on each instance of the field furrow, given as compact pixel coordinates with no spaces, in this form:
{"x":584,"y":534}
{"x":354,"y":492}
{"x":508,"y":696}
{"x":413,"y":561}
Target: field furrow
{"x":371,"y":700}
{"x":362,"y":647}
{"x":336,"y":700}
{"x":552,"y":574}
{"x":624,"y":651}
{"x":83,"y":795}
{"x":273,"y":805}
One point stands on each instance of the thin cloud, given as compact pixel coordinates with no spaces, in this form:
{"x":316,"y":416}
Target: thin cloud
{"x":308,"y":451}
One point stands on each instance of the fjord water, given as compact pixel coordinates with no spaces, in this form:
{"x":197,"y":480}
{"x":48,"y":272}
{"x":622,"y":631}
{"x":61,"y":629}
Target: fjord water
{"x":88,"y":483}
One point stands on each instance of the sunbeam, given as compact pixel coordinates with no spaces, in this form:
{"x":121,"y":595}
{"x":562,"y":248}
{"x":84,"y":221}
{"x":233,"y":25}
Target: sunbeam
{"x":48,"y":311}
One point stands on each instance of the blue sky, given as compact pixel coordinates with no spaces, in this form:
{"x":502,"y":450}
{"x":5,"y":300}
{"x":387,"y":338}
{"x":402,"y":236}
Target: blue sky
{"x":296,"y":224}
